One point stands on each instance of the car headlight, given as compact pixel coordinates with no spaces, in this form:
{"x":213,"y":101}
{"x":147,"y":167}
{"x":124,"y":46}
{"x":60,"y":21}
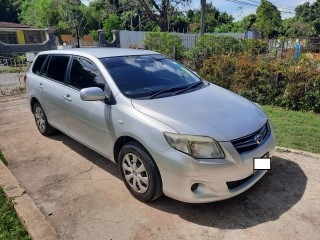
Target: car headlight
{"x":196,"y":146}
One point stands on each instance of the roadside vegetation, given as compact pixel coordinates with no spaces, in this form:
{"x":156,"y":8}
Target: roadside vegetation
{"x":294,"y":129}
{"x":3,"y":159}
{"x":162,"y":15}
{"x":288,"y":83}
{"x":10,"y":225}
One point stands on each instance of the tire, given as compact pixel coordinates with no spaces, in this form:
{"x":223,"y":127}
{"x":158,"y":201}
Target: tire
{"x":41,"y":120}
{"x":139,"y":172}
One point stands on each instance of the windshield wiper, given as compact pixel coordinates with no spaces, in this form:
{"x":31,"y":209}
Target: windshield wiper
{"x":172,"y":89}
{"x":193,"y":85}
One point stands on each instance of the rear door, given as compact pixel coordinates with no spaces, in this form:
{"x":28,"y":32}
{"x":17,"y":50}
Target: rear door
{"x":52,"y":85}
{"x":87,"y":121}
{"x":34,"y":89}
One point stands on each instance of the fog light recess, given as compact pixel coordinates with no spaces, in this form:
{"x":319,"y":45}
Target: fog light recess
{"x":194,"y":187}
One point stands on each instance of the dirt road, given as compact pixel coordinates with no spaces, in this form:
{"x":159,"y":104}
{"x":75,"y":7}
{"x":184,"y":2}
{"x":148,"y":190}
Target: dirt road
{"x":82,"y":196}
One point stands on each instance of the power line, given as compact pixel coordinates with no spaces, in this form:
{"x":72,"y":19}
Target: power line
{"x":283,"y":5}
{"x":255,"y":5}
{"x":286,"y":7}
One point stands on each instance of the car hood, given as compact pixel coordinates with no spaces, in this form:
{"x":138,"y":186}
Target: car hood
{"x":211,"y":111}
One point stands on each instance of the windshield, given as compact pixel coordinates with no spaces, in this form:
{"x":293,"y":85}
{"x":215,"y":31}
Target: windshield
{"x":147,"y":75}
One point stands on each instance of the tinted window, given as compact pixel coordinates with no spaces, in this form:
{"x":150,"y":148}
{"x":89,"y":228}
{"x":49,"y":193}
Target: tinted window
{"x":45,"y":67}
{"x":141,"y":76}
{"x":38,"y":64}
{"x":85,"y":74}
{"x":57,"y":67}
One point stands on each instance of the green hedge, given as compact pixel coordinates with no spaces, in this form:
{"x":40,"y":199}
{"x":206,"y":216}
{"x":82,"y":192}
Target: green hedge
{"x":209,"y":45}
{"x":164,"y":43}
{"x":285,"y":83}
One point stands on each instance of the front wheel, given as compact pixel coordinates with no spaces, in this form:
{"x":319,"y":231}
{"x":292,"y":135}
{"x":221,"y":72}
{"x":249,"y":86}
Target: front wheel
{"x":139,"y":172}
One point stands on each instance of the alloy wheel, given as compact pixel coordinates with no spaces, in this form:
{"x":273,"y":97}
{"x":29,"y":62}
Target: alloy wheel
{"x":41,"y":122}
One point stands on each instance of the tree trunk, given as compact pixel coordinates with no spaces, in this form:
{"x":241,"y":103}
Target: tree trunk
{"x":164,"y":16}
{"x":203,"y":17}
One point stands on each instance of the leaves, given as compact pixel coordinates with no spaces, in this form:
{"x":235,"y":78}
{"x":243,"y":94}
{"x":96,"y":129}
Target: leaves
{"x":164,"y":43}
{"x":111,"y":23}
{"x":286,"y":83}
{"x":268,"y":19}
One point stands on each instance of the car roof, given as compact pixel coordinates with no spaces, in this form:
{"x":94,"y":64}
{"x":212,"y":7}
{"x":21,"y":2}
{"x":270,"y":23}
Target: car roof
{"x":101,"y":52}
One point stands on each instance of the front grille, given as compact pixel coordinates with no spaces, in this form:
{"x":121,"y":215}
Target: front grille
{"x":252,"y":140}
{"x":235,"y":184}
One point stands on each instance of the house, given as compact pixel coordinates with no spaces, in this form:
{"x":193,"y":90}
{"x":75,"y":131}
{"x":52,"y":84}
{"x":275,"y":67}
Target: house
{"x":18,"y":39}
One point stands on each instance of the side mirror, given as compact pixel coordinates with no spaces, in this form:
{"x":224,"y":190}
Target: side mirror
{"x":92,"y":94}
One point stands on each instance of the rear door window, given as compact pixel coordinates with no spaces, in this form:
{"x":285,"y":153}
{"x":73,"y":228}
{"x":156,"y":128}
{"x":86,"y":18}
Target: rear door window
{"x":84,"y":73}
{"x":38,"y":64}
{"x":57,"y":67}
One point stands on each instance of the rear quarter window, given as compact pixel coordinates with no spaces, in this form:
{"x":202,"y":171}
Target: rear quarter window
{"x":57,"y":67}
{"x":36,"y":69}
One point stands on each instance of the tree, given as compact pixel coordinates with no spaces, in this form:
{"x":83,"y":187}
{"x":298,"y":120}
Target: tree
{"x":157,"y":10}
{"x":190,"y":15}
{"x":203,"y":17}
{"x":8,"y":11}
{"x":39,"y":13}
{"x":111,"y":23}
{"x":293,"y":27}
{"x":62,"y":15}
{"x":214,"y":19}
{"x":268,"y":19}
{"x":98,"y":11}
{"x":310,"y":13}
{"x":177,"y":20}
{"x":72,"y":15}
{"x":248,"y":22}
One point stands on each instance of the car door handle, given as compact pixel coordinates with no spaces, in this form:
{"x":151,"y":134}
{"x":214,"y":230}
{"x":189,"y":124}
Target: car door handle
{"x":40,"y":85}
{"x":67,"y":98}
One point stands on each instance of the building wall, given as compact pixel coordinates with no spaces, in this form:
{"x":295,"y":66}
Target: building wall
{"x":20,"y":36}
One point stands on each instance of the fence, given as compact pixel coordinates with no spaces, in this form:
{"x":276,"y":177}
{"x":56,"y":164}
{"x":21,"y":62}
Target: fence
{"x":308,"y":45}
{"x":12,"y":72}
{"x":85,"y":41}
{"x":136,"y":39}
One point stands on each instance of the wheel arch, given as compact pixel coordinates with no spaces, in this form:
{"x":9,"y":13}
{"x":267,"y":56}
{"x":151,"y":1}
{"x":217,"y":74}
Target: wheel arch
{"x":33,"y":101}
{"x":120,"y":142}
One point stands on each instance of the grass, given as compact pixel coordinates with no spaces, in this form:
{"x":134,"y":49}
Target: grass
{"x":293,"y":129}
{"x":10,"y":225}
{"x":9,"y":69}
{"x":3,"y":159}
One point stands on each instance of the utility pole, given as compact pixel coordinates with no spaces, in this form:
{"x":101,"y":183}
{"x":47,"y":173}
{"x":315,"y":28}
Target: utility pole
{"x":139,"y":22}
{"x":203,"y":16}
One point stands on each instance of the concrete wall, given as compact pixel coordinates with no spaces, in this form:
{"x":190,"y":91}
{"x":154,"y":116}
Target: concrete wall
{"x":7,"y":50}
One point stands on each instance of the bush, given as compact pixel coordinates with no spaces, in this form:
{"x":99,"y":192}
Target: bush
{"x":291,"y":84}
{"x":209,"y":45}
{"x":303,"y":86}
{"x":164,"y":43}
{"x":94,"y":34}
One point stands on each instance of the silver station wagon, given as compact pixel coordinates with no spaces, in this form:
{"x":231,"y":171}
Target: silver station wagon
{"x":169,"y":131}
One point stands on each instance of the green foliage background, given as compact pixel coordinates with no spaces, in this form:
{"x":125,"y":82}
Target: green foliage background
{"x":286,"y":83}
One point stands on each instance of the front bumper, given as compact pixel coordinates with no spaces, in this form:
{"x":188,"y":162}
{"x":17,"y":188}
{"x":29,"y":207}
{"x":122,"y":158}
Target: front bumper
{"x":180,"y":171}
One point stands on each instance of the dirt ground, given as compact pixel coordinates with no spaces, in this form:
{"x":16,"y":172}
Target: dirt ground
{"x":82,"y":196}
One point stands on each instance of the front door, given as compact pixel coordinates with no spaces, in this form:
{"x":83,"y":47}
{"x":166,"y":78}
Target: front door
{"x":87,"y":120}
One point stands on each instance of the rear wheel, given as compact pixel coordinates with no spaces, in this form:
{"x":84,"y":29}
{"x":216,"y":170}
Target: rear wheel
{"x":41,"y":120}
{"x":139,"y":172}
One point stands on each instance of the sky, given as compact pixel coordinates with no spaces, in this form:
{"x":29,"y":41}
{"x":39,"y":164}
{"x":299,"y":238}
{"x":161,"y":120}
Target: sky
{"x":238,"y":13}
